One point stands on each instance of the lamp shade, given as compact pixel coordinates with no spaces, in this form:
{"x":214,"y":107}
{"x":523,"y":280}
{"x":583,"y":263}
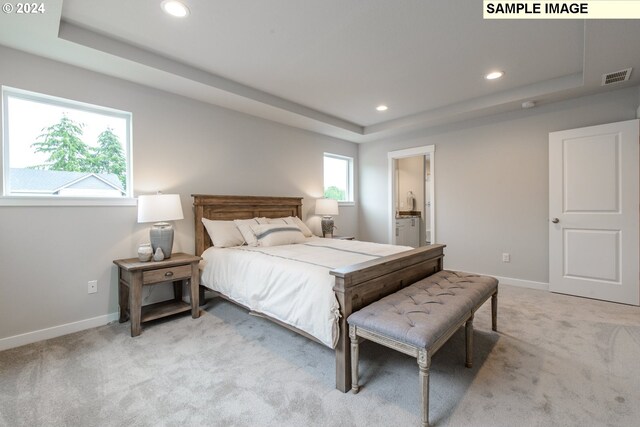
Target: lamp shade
{"x":326,"y":207}
{"x":159,"y":207}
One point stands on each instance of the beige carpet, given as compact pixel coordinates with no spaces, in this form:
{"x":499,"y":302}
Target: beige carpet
{"x":556,"y":361}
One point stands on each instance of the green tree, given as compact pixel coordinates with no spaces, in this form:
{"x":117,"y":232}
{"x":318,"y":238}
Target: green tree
{"x":67,"y":152}
{"x":108,"y":157}
{"x":334,"y":193}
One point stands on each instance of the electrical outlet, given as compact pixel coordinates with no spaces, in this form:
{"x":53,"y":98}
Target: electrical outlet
{"x":92,"y":287}
{"x":506,"y":257}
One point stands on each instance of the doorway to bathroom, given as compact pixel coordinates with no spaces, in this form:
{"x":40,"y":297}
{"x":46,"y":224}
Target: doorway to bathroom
{"x":411,"y":195}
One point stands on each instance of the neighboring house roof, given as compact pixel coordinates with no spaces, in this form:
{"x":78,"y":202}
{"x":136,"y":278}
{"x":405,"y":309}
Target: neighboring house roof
{"x":51,"y":182}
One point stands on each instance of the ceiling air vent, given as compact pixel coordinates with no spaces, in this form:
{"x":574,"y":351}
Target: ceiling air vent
{"x":616,"y":77}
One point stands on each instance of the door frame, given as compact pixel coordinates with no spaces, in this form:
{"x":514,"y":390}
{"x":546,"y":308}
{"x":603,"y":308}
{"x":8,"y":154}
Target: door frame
{"x":427,"y":150}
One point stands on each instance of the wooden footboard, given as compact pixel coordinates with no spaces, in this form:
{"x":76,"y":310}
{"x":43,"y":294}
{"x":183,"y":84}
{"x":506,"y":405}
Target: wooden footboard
{"x":360,"y":284}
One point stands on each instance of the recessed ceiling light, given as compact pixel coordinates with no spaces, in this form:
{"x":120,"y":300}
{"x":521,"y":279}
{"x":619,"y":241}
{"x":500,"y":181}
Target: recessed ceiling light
{"x":382,"y":108}
{"x":494,"y":75}
{"x":175,"y":8}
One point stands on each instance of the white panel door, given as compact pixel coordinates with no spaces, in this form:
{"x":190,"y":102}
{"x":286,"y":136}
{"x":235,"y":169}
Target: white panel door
{"x":593,"y":212}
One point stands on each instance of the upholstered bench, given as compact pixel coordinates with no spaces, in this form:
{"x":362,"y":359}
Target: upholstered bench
{"x":419,"y":319}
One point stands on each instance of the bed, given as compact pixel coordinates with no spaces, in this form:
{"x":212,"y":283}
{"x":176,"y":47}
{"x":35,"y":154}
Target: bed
{"x":327,"y":279}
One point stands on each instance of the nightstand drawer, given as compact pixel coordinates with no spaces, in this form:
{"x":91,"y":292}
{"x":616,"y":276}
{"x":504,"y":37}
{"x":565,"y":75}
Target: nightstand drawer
{"x":166,"y":274}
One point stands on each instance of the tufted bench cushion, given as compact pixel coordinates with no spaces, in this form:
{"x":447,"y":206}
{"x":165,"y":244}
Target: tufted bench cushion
{"x":421,"y":313}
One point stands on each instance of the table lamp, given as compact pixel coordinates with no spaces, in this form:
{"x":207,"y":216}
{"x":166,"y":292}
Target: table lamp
{"x":326,"y":208}
{"x":160,"y":208}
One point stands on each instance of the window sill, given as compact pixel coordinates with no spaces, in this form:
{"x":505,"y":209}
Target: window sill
{"x":66,"y":201}
{"x":346,"y":203}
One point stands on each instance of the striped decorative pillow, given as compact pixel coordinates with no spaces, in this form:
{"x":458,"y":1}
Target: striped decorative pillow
{"x":293,"y":220}
{"x":246,"y":231}
{"x":277,"y":234}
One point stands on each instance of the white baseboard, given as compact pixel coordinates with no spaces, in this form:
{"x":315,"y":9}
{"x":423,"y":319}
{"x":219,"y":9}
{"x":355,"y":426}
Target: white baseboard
{"x":522,"y":283}
{"x":511,"y":281}
{"x":55,"y":331}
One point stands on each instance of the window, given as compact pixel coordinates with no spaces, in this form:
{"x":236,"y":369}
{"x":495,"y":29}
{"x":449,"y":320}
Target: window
{"x":57,"y":148}
{"x":338,"y":177}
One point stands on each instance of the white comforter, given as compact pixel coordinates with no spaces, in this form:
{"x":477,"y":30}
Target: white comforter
{"x":290,"y":283}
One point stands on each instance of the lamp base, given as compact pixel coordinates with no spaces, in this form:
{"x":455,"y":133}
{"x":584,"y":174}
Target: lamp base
{"x":327,"y":226}
{"x":161,"y":236}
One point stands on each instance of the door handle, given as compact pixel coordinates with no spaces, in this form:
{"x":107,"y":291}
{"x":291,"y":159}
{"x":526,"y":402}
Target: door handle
{"x":555,"y":220}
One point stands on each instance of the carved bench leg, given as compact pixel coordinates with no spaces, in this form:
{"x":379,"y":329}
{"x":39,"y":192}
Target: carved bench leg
{"x":494,"y":311}
{"x":468,"y":328}
{"x":355,"y":350}
{"x":424,"y":362}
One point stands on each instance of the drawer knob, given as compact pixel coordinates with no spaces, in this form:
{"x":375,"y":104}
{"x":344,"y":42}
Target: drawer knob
{"x":168,"y":274}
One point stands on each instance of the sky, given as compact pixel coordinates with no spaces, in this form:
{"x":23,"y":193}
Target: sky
{"x":27,"y":119}
{"x":335,"y":172}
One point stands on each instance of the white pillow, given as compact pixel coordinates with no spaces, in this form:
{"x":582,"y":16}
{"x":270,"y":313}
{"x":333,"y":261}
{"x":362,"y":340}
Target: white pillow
{"x":248,"y":236}
{"x":223,"y":233}
{"x":293,"y":220}
{"x":277,"y":234}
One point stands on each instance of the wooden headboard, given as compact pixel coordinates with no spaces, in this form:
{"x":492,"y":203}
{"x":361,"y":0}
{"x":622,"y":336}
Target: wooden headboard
{"x":239,"y":207}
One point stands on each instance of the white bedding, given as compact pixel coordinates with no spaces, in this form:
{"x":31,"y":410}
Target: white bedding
{"x":290,"y":283}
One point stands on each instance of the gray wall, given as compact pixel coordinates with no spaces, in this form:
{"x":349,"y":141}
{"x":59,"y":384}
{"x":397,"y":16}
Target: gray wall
{"x":491,"y":183}
{"x":47,"y":254}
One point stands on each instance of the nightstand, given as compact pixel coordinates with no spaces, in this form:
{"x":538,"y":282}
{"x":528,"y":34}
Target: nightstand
{"x":133,"y":275}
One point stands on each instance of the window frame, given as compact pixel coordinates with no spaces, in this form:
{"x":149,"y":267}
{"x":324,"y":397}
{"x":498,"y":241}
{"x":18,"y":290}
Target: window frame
{"x":9,"y":199}
{"x":351,"y":198}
